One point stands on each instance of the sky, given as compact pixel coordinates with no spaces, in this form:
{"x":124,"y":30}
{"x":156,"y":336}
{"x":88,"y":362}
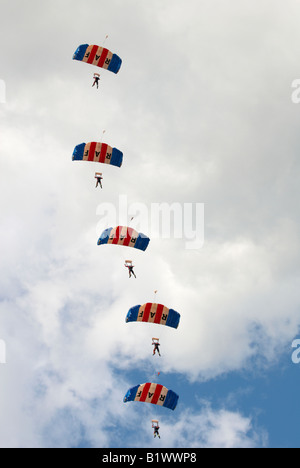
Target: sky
{"x":204,"y":112}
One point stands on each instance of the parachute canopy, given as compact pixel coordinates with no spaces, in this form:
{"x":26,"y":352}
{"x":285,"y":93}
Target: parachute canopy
{"x":152,"y":393}
{"x":153,"y":313}
{"x":98,"y":152}
{"x":123,"y":235}
{"x":98,"y":56}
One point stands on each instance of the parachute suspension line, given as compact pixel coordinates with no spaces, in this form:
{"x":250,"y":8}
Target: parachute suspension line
{"x":157,"y":370}
{"x":160,"y":340}
{"x":103,"y":131}
{"x":125,"y":255}
{"x":130,"y":220}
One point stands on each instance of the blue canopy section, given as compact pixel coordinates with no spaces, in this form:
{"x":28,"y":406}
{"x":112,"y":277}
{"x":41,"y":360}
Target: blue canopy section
{"x":142,"y":242}
{"x":132,"y":314}
{"x":173,"y":319}
{"x":171,"y":400}
{"x":78,"y":152}
{"x":131,"y":394}
{"x":80,"y":52}
{"x":103,"y":239}
{"x":115,"y":64}
{"x":116,"y":157}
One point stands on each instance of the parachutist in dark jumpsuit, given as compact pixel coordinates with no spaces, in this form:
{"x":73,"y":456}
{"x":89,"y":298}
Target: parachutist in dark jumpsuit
{"x":156,"y":433}
{"x":99,"y":182}
{"x":156,"y":348}
{"x":130,"y":270}
{"x":96,"y":81}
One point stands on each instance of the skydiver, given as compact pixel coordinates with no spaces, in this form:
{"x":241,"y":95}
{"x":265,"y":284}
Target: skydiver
{"x":99,"y":178}
{"x":156,"y":348}
{"x":130,"y":270}
{"x":156,"y":433}
{"x":96,"y":80}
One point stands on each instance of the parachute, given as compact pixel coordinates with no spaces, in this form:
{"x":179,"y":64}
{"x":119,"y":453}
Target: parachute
{"x":98,"y":56}
{"x":98,"y":152}
{"x":123,"y":235}
{"x":152,"y":393}
{"x":153,"y":313}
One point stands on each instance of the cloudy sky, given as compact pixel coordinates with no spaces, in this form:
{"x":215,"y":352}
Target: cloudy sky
{"x":202,"y":110}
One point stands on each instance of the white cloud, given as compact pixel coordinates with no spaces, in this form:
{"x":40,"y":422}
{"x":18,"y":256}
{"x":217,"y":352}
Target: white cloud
{"x":201,"y":109}
{"x":215,"y":429}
